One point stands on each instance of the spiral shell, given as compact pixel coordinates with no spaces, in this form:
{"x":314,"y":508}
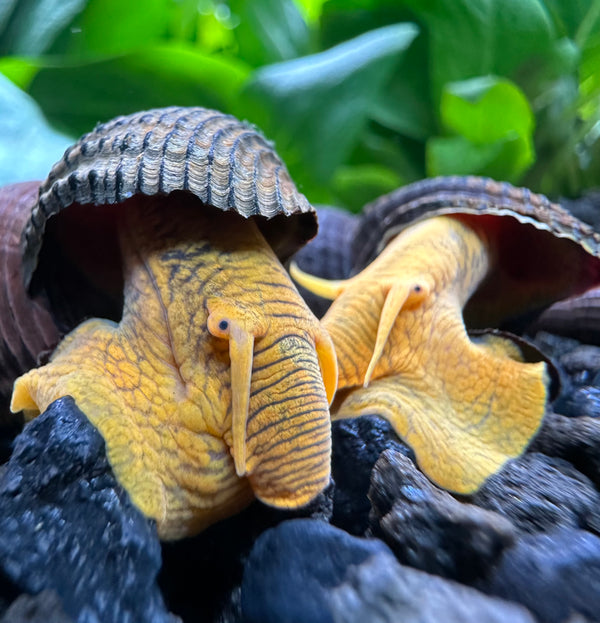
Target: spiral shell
{"x":222,"y":161}
{"x":541,"y":252}
{"x":389,"y":214}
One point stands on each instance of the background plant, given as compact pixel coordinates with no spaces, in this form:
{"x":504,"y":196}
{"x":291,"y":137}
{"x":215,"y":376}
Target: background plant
{"x":360,"y":96}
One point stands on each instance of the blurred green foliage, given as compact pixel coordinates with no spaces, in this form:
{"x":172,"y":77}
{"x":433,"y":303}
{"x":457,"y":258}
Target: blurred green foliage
{"x":360,"y":96}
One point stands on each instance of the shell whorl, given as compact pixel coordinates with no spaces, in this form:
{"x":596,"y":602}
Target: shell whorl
{"x":389,"y":214}
{"x":224,"y":162}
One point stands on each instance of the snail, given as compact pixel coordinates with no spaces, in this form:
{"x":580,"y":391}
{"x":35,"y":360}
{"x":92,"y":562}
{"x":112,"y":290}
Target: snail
{"x":207,"y":375}
{"x":434,"y":260}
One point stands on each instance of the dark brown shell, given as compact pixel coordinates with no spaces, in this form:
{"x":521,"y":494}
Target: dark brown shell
{"x":577,"y":317}
{"x":26,"y":326}
{"x":222,"y":161}
{"x":537,"y":243}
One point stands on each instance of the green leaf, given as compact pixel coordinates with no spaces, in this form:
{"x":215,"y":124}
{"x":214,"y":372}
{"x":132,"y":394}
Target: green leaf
{"x":317,"y":106}
{"x":477,"y":37}
{"x":19,"y":71}
{"x":27,"y":135}
{"x":494,"y":125}
{"x":270,"y":31}
{"x":405,"y":106}
{"x":34,"y":25}
{"x":109,"y":27}
{"x":310,"y":9}
{"x":77,"y":97}
{"x":486,"y":109}
{"x":355,"y":186}
{"x":504,"y":159}
{"x":576,"y":18}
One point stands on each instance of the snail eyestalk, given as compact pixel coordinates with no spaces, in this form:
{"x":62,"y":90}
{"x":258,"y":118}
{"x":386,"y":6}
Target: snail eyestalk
{"x":327,"y":288}
{"x":399,"y":295}
{"x":241,"y":327}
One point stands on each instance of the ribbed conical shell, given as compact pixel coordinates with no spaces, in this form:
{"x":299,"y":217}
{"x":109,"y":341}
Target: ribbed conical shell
{"x":391,"y":213}
{"x":539,"y":253}
{"x":26,"y":326}
{"x":222,"y":161}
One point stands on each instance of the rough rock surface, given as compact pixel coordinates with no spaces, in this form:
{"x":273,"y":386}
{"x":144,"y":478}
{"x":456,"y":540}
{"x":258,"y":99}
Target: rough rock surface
{"x":357,"y":444}
{"x":307,"y":571}
{"x":538,"y":493}
{"x":66,"y":525}
{"x":429,"y":529}
{"x":201,"y":576}
{"x":574,"y":439}
{"x":555,"y":575}
{"x":45,"y":607}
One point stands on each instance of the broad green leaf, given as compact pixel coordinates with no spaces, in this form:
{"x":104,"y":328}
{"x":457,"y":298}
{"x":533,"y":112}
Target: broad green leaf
{"x":486,"y":109}
{"x":77,"y":97}
{"x":504,"y":159}
{"x":19,"y":71}
{"x":355,"y":186}
{"x":316,"y":107}
{"x":310,"y":9}
{"x":270,"y":31}
{"x":404,"y":105}
{"x":109,"y":27}
{"x":29,"y":146}
{"x":477,"y":37}
{"x":33,"y":25}
{"x":493,"y":124}
{"x":576,"y":18}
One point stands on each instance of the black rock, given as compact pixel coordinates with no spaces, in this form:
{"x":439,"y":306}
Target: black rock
{"x":307,"y":571}
{"x":576,"y":440}
{"x":45,"y":607}
{"x":581,"y":358}
{"x":292,"y":568}
{"x":538,"y":493}
{"x":201,"y":576}
{"x":382,"y":591}
{"x":67,"y":525}
{"x":556,"y":575}
{"x":582,"y":401}
{"x":357,"y":444}
{"x":429,"y":529}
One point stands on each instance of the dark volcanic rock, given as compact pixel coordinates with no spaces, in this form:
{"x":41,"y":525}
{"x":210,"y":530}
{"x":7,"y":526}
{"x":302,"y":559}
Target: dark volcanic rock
{"x":382,"y":591}
{"x":555,"y":575}
{"x":576,"y":440}
{"x":201,"y":576}
{"x":45,"y":607}
{"x":582,"y":358}
{"x":538,"y":493}
{"x":66,"y":525}
{"x":292,"y":568}
{"x":357,"y":444}
{"x":305,"y":570}
{"x":583,"y":401}
{"x":429,"y":529}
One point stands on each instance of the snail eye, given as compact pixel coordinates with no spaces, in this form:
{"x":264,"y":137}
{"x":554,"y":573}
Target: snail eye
{"x":223,"y":325}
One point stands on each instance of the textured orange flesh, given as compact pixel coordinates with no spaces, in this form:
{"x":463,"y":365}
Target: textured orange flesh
{"x":464,"y":407}
{"x":210,"y":388}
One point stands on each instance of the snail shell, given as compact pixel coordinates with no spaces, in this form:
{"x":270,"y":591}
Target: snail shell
{"x":225,"y":163}
{"x":542,"y":253}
